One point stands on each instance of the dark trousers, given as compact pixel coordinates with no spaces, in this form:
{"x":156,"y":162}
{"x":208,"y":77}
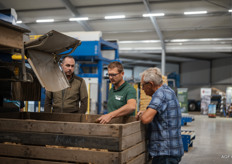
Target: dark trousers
{"x":166,"y":159}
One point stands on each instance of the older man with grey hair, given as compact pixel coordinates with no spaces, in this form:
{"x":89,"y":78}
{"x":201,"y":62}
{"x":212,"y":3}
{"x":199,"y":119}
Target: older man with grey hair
{"x":163,"y":116}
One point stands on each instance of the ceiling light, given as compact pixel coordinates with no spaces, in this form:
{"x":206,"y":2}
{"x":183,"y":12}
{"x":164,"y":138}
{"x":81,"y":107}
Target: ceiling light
{"x":198,"y":40}
{"x":153,"y":15}
{"x":19,"y":22}
{"x":195,"y":12}
{"x":139,"y":41}
{"x":230,"y":10}
{"x":78,"y":19}
{"x":115,"y":17}
{"x":179,"y":40}
{"x":44,"y":20}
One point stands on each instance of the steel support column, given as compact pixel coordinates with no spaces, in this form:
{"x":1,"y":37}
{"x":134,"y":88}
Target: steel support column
{"x":157,"y":29}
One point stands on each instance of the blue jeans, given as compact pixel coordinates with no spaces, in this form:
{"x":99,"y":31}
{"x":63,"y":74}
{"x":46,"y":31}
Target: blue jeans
{"x":166,"y":159}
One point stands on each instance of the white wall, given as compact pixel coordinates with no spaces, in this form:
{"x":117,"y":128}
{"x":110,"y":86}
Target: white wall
{"x":128,"y":74}
{"x":196,"y":75}
{"x":169,"y":69}
{"x":222,"y":73}
{"x":137,"y":71}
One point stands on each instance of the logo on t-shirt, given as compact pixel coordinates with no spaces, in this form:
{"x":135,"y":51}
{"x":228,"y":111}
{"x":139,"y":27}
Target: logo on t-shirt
{"x":117,"y":97}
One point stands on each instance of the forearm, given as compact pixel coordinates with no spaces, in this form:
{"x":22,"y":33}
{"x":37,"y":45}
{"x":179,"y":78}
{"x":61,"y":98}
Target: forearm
{"x":124,"y":110}
{"x":146,"y":116}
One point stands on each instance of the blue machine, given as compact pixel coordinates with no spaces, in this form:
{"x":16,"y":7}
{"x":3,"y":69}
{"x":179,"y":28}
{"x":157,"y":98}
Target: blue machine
{"x":174,"y":80}
{"x":91,"y":52}
{"x":8,"y":15}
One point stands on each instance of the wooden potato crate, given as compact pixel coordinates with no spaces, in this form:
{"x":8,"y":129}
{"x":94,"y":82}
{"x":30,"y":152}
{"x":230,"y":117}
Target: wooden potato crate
{"x":36,"y":138}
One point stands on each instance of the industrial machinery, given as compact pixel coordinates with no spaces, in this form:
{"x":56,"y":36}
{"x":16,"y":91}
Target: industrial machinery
{"x":15,"y":78}
{"x":174,"y":80}
{"x":21,"y":81}
{"x":44,"y":55}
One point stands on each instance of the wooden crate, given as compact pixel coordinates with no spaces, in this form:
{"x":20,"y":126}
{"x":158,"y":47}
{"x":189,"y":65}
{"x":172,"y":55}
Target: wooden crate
{"x":62,"y":138}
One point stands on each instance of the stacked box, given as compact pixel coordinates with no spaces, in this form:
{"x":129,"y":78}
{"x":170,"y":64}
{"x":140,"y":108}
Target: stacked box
{"x":165,"y":80}
{"x":70,"y":138}
{"x":144,"y":100}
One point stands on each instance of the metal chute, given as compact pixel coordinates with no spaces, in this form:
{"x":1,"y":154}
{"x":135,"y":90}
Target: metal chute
{"x":44,"y":54}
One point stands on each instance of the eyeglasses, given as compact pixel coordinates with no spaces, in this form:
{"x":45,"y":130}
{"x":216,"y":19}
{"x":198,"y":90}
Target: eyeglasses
{"x":112,"y":74}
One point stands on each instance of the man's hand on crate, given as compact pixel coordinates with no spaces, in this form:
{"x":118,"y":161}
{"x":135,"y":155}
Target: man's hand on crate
{"x":104,"y":119}
{"x":139,"y":114}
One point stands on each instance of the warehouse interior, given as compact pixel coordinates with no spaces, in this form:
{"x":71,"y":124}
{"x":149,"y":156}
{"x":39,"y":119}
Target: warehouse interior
{"x":189,"y":40}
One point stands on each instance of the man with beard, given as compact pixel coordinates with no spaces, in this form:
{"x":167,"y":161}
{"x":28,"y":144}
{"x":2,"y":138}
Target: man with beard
{"x":70,"y":100}
{"x":122,"y":96}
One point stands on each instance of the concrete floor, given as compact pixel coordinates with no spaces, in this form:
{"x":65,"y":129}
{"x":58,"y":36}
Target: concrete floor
{"x":213,"y":142}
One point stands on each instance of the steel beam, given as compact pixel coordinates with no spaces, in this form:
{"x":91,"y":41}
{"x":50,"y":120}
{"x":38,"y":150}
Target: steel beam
{"x":75,"y":13}
{"x":157,"y":29}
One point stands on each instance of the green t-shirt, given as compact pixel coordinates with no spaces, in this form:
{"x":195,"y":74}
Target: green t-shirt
{"x":118,"y":98}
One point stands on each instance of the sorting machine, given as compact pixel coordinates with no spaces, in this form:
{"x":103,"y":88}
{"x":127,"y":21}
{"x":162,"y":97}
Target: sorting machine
{"x":21,"y":80}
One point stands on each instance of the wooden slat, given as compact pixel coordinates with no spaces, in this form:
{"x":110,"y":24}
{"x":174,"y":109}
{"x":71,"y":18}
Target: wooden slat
{"x":132,"y":152}
{"x":11,"y":38}
{"x":32,"y":138}
{"x":135,"y":153}
{"x":123,"y":120}
{"x":12,"y":115}
{"x":141,"y":159}
{"x":65,"y":117}
{"x":7,"y":160}
{"x":74,"y":128}
{"x":132,"y":127}
{"x":59,"y":154}
{"x":132,"y":139}
{"x":117,"y":120}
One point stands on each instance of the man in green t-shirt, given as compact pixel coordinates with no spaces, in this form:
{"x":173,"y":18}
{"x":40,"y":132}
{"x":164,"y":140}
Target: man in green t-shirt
{"x":122,"y":96}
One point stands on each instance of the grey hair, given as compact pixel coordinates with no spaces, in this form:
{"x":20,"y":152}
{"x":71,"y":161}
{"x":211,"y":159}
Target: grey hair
{"x":152,"y":74}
